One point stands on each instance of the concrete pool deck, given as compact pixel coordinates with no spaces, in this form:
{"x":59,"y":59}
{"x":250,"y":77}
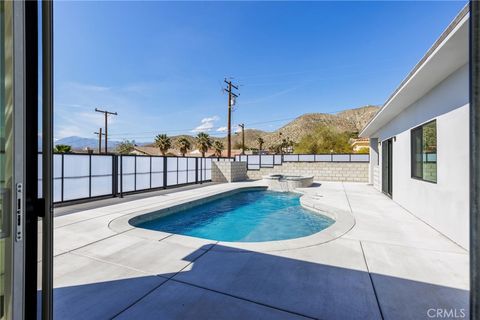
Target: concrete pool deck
{"x":390,"y":265}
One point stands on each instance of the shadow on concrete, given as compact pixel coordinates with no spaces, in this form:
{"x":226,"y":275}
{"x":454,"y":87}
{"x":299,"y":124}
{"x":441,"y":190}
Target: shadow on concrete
{"x":228,"y":283}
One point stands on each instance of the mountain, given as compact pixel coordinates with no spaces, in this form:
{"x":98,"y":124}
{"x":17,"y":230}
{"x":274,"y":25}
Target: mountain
{"x":352,"y":121}
{"x":80,"y":143}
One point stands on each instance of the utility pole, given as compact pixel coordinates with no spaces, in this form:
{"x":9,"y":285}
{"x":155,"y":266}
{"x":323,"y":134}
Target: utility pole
{"x":243,"y":137}
{"x":106,"y":113}
{"x":100,"y":134}
{"x":231,"y":102}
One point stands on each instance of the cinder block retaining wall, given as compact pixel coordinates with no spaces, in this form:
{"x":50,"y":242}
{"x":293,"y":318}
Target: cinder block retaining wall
{"x":225,"y":171}
{"x":322,"y":171}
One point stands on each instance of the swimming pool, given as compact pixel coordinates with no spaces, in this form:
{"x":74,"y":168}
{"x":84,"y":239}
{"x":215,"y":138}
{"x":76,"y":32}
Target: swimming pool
{"x":245,"y":216}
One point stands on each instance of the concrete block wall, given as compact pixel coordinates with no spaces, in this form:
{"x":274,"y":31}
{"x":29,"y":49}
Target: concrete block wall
{"x":322,"y":171}
{"x":226,"y":171}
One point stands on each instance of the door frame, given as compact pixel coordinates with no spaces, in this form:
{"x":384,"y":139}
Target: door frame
{"x":33,"y":209}
{"x":387,"y":177}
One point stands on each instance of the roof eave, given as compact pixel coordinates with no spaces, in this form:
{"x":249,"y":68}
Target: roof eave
{"x":372,"y":126}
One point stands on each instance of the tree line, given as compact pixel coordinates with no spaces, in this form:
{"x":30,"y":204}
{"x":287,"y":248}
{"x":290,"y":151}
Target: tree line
{"x":321,"y":140}
{"x":203,"y":142}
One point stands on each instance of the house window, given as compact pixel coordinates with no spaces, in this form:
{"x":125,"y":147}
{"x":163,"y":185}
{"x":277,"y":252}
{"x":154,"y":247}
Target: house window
{"x":424,"y":152}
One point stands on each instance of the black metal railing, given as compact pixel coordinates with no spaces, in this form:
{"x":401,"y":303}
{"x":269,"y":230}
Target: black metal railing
{"x":82,"y":177}
{"x":255,"y":162}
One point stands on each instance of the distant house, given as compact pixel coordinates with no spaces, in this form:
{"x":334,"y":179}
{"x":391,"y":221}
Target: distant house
{"x":211,"y":153}
{"x":155,"y":151}
{"x":419,"y":139}
{"x":360,"y":144}
{"x":146,"y":151}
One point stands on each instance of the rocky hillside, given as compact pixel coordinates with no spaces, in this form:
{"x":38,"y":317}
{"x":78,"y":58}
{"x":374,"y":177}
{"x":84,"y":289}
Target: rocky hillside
{"x":352,"y":120}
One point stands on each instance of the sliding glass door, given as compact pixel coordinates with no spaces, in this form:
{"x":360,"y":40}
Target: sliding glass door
{"x":20,"y":207}
{"x":12,"y":111}
{"x":6,"y":106}
{"x":387,"y":153}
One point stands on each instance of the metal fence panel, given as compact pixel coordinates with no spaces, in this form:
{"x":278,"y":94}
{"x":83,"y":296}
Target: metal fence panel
{"x":157,"y":164}
{"x":192,"y":168}
{"x":277,"y":159}
{"x":142,"y":173}
{"x":101,"y":186}
{"x":172,"y":173}
{"x":76,"y":165}
{"x":182,"y":170}
{"x":76,"y":177}
{"x":101,"y":175}
{"x":128,"y":173}
{"x":290,"y":157}
{"x":57,"y":165}
{"x":306,"y":157}
{"x":341,"y":157}
{"x":75,"y":188}
{"x":266,"y":161}
{"x":157,"y":172}
{"x":57,"y":190}
{"x":208,"y":169}
{"x":85,"y":176}
{"x":253,"y":162}
{"x":323,"y":157}
{"x":101,"y":165}
{"x":360,"y":157}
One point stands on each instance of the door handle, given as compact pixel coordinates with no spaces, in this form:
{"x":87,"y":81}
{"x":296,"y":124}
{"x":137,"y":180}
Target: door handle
{"x":19,"y":216}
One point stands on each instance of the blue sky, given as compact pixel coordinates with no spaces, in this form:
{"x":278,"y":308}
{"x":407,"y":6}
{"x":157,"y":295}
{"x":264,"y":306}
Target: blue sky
{"x":161,"y":65}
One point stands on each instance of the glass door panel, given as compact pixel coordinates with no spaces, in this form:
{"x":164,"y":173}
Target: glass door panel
{"x":6,"y":141}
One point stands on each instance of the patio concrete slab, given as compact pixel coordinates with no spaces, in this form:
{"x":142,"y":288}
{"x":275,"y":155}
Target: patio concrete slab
{"x":190,"y":242}
{"x":377,"y":268}
{"x":409,"y":282}
{"x":309,"y":281}
{"x":81,"y":233}
{"x":174,"y":300}
{"x":82,"y":294}
{"x":406,"y":233}
{"x":149,"y":256}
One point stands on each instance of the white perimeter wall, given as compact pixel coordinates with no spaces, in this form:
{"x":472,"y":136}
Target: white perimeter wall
{"x":444,"y":205}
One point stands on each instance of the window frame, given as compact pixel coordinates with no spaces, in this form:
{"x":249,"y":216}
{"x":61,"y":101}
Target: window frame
{"x":413,"y":154}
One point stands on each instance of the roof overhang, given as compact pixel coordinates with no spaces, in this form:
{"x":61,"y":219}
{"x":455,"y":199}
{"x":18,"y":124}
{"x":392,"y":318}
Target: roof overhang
{"x":449,"y":53}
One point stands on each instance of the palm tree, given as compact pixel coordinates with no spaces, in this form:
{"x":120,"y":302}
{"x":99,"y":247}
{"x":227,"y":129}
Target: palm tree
{"x":218,"y":146}
{"x":183,"y":145}
{"x":203,"y":142}
{"x":62,"y":148}
{"x":260,"y":142}
{"x":163,"y":142}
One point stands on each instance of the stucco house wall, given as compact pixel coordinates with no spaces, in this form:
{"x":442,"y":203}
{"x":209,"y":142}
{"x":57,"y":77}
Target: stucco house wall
{"x":443,"y":205}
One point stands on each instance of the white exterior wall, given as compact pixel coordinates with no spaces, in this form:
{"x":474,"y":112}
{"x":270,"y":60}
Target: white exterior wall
{"x":374,"y":177}
{"x":443,"y":205}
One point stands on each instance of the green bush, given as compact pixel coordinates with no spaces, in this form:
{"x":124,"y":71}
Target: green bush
{"x":324,"y":140}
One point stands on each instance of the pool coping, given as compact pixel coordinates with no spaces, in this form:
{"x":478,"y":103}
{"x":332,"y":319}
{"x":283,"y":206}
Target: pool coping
{"x":344,"y":222}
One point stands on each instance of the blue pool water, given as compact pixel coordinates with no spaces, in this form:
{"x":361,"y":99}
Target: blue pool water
{"x":247,"y":216}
